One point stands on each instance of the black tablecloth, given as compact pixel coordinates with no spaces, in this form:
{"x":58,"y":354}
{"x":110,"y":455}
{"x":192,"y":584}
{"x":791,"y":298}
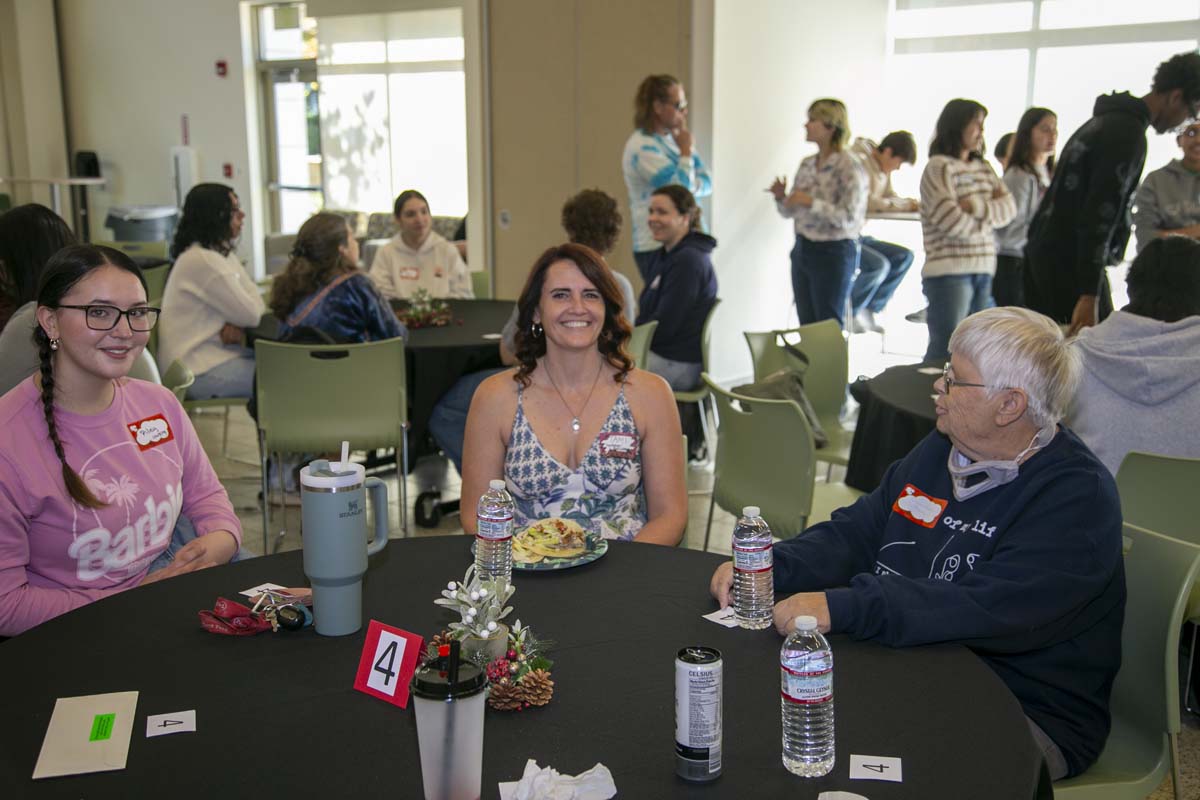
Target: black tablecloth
{"x":895,"y":412}
{"x":277,"y":716}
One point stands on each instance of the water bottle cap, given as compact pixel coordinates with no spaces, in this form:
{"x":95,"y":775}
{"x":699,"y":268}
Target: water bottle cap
{"x":751,"y":511}
{"x":806,"y":623}
{"x":496,"y":484}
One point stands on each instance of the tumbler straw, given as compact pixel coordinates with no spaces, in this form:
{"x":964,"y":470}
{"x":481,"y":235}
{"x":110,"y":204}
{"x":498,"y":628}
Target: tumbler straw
{"x":345,"y":456}
{"x":451,"y":703}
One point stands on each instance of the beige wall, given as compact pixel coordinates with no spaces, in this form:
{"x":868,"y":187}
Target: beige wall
{"x":563,"y":77}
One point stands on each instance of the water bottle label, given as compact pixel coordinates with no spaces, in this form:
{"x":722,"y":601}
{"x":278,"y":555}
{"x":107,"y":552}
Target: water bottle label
{"x":494,"y":530}
{"x":807,"y":687}
{"x":752,"y":559}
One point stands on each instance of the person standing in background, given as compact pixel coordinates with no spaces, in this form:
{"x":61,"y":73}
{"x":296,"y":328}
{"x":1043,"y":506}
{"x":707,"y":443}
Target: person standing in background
{"x":658,"y":153}
{"x":1168,"y":201}
{"x":828,"y":203}
{"x":1027,"y":176}
{"x":1002,"y":149}
{"x":1083,"y":224}
{"x":881,"y":265}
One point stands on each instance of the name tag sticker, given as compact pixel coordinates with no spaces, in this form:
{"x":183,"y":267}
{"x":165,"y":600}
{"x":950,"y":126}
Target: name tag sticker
{"x":410,"y":273}
{"x":918,"y":507}
{"x":618,"y":445}
{"x":388,"y":661}
{"x":150,"y":432}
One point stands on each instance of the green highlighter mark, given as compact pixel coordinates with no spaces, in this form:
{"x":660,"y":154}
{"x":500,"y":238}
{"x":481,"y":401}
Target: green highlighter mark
{"x":102,"y":727}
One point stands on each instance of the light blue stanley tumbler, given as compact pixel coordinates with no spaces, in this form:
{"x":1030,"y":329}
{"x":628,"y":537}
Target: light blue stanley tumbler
{"x":333,"y":503}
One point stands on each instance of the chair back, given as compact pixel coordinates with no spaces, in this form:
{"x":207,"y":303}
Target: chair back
{"x":765,"y":457}
{"x":1159,"y":573}
{"x":639,"y":342}
{"x":1154,"y":493}
{"x":138,"y":249}
{"x":828,"y":367}
{"x":145,"y":368}
{"x":156,"y":283}
{"x":706,"y":332}
{"x":481,"y":284}
{"x":312,"y":397}
{"x":178,"y":378}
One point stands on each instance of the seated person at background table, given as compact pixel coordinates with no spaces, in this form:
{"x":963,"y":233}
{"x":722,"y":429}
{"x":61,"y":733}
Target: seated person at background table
{"x":29,"y":235}
{"x":1029,"y":167}
{"x":95,"y":467}
{"x":1168,"y":201}
{"x":1000,"y":531}
{"x":881,"y":265}
{"x":209,"y":299}
{"x":590,"y":218}
{"x":323,"y":288}
{"x":418,"y":257}
{"x":576,"y":431}
{"x":1141,"y":366}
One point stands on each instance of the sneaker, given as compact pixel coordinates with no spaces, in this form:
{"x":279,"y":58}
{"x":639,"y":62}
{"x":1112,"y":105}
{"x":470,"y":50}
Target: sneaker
{"x":858,"y":325}
{"x":869,"y":321}
{"x":917,"y":316}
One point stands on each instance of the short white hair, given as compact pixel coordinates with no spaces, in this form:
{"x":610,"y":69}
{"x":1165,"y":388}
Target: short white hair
{"x":1016,"y":348}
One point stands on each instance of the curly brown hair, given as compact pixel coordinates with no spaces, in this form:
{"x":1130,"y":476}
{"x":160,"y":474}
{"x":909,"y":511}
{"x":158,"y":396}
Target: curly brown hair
{"x":316,"y":260}
{"x":531,"y":346}
{"x":591,"y":218}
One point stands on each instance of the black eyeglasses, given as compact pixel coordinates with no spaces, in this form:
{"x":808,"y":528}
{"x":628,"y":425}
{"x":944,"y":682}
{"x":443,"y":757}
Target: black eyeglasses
{"x":105,"y":318}
{"x":951,"y":382}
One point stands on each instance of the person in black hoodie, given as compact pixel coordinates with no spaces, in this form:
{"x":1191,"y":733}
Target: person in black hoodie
{"x":681,"y":288}
{"x":1083,"y":224}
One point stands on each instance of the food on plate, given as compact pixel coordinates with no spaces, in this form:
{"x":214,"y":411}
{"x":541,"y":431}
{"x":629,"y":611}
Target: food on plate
{"x":549,"y":538}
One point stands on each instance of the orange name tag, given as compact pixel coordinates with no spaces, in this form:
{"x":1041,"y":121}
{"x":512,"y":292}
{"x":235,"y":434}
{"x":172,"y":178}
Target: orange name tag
{"x":150,"y":432}
{"x":919,"y":507}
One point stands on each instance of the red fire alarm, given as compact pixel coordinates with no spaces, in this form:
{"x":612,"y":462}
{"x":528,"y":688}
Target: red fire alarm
{"x":227,"y":170}
{"x":222,"y":68}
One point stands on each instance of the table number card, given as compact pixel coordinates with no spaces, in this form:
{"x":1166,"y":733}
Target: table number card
{"x":389,"y":659}
{"x":875,"y":768}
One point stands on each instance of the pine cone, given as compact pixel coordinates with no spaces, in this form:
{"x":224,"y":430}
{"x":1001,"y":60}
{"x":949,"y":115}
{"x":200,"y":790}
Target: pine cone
{"x":505,"y":697}
{"x":536,"y":688}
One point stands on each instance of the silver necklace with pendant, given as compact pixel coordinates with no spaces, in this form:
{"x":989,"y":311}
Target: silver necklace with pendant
{"x":575,"y":417}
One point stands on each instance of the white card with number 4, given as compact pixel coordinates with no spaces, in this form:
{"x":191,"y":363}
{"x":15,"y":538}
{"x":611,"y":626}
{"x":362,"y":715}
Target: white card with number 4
{"x":179,"y":722}
{"x":875,"y":768}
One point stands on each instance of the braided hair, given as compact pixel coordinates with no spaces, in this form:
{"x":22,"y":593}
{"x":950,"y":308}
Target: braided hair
{"x":65,"y":269}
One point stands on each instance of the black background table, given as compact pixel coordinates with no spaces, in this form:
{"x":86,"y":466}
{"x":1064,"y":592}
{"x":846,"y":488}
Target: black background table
{"x":277,"y":715}
{"x":895,"y":412}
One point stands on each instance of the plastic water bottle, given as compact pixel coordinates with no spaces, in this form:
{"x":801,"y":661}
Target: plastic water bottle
{"x":494,"y":531}
{"x":806,"y":680}
{"x":753,"y":582}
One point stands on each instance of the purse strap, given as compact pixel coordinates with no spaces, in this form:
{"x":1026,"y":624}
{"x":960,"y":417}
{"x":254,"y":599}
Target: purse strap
{"x":792,"y":349}
{"x":297,"y":317}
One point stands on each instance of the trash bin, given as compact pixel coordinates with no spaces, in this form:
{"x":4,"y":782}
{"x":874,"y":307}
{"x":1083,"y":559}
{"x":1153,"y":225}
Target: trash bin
{"x":142,"y":223}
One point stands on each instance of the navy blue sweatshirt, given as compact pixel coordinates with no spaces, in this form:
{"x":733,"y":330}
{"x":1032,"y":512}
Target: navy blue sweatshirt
{"x":681,"y":289}
{"x":1029,"y":575}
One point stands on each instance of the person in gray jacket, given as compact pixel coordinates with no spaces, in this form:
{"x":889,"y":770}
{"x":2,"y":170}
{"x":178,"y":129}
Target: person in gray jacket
{"x":1168,"y":201}
{"x":1027,"y":173}
{"x":1141,"y":366}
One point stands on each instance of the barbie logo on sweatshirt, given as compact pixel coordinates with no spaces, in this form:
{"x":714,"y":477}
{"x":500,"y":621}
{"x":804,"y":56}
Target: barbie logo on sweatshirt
{"x":150,"y":432}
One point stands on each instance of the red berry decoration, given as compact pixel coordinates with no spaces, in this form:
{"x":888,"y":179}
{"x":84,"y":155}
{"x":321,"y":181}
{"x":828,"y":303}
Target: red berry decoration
{"x":512,"y":655}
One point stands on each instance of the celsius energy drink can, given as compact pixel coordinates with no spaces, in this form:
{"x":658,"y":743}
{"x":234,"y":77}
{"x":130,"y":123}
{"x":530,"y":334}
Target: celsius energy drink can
{"x":698,"y":713}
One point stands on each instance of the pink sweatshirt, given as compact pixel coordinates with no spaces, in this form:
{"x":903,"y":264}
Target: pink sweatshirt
{"x":141,"y":456}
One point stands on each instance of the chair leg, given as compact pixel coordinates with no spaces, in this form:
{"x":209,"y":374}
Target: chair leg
{"x":225,"y":434}
{"x":404,"y":483}
{"x":266,"y":496}
{"x":1187,"y":676}
{"x":1176,"y":782}
{"x":708,"y":528}
{"x":706,"y":428}
{"x":283,"y":503}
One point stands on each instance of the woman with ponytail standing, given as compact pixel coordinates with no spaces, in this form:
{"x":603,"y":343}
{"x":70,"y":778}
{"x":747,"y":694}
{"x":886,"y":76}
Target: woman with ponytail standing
{"x":95,"y":468}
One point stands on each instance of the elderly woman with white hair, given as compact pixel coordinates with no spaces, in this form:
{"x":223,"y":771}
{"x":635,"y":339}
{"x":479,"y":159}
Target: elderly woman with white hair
{"x":1000,"y":531}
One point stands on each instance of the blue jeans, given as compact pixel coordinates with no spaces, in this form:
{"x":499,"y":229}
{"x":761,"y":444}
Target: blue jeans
{"x":234,"y":378}
{"x":952,"y":298}
{"x":681,"y":376}
{"x":880,"y":269}
{"x":184,"y":532}
{"x":821,"y":276}
{"x":448,"y":421}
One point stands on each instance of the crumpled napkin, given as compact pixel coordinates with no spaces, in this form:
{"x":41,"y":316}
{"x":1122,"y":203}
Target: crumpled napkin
{"x":544,"y":783}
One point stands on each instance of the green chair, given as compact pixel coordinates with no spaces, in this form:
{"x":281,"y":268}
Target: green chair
{"x":824,"y":381}
{"x":481,"y":284}
{"x":5,"y":202}
{"x":639,"y":342}
{"x":314,"y":397}
{"x":766,"y":457}
{"x":145,"y":368}
{"x":700,"y":393}
{"x":1143,"y":743}
{"x":138,"y":249}
{"x":178,"y":378}
{"x":156,"y":285}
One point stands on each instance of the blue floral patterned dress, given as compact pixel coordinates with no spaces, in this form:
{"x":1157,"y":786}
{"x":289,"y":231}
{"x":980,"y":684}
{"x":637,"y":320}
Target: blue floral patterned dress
{"x":604,"y":494}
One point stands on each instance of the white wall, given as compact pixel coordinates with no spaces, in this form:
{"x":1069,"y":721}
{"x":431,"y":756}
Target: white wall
{"x":132,"y":68}
{"x":771,"y":59}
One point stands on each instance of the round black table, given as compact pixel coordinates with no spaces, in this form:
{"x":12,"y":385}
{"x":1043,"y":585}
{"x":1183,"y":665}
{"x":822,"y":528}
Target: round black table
{"x":277,"y":715}
{"x":895,"y":412}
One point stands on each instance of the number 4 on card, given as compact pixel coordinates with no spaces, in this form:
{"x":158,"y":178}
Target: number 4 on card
{"x":875,"y":768}
{"x":389,"y":658}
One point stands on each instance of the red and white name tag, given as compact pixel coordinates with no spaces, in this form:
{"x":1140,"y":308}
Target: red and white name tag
{"x":921,"y":508}
{"x":410,"y":273}
{"x":388,"y":661}
{"x":150,"y":432}
{"x":618,"y":445}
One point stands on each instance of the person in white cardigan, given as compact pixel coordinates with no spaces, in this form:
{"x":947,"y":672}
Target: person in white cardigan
{"x":209,"y":298}
{"x":963,"y":201}
{"x":418,"y":257}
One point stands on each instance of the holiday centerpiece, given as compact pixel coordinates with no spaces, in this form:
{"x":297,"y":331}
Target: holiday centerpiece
{"x":521,"y":678}
{"x":480,"y":604}
{"x":424,"y":311}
